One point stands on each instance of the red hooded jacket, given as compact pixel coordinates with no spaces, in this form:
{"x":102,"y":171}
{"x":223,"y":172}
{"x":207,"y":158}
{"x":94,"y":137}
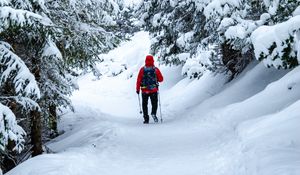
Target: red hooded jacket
{"x":149,"y":62}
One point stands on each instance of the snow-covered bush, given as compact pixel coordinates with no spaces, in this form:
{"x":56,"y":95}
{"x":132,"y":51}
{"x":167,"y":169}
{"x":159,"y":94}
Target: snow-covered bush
{"x":110,"y":67}
{"x":278,"y":45}
{"x":202,"y":61}
{"x":193,"y":68}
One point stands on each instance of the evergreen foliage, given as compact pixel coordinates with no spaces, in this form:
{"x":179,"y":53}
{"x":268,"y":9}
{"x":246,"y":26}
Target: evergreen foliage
{"x":41,"y":44}
{"x":176,"y":27}
{"x":181,"y":29}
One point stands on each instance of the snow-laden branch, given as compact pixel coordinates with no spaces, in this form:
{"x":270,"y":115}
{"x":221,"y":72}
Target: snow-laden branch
{"x":24,"y":81}
{"x":51,"y":49}
{"x":10,"y":130}
{"x":221,"y":8}
{"x":18,"y":17}
{"x":4,"y":2}
{"x":278,"y":45}
{"x":10,"y":16}
{"x":25,"y":102}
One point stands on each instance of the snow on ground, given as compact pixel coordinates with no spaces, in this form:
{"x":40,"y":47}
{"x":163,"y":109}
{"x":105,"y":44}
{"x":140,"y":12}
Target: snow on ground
{"x":249,"y":126}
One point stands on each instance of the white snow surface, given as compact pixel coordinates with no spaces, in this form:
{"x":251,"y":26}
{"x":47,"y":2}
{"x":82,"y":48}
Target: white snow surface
{"x":249,"y":126}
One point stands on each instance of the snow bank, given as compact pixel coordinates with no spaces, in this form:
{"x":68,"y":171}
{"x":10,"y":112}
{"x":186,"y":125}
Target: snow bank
{"x":265,"y":102}
{"x":188,"y":93}
{"x":265,"y":118}
{"x":272,"y":142}
{"x":253,"y":80}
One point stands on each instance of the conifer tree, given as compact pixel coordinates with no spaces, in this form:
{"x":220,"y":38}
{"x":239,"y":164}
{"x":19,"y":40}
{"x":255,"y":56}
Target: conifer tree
{"x":49,"y":41}
{"x":18,"y":84}
{"x":176,"y":28}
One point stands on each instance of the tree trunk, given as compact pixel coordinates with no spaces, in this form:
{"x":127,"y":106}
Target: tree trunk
{"x":36,"y":119}
{"x":36,"y":132}
{"x":230,"y":57}
{"x":53,"y":120}
{"x":9,"y":158}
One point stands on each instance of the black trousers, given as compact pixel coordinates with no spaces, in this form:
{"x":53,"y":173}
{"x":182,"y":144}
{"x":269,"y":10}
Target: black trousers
{"x":153,"y":98}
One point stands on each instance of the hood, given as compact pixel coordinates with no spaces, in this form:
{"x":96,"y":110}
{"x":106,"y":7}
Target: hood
{"x":149,"y":61}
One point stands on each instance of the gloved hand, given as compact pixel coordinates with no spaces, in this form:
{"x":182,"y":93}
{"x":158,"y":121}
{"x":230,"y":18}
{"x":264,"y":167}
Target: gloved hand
{"x":138,"y":92}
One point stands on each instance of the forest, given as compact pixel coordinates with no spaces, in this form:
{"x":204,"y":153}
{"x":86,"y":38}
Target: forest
{"x":46,"y":45}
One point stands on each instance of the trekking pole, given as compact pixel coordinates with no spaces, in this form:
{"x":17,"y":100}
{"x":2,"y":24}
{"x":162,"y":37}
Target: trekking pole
{"x":140,"y":103}
{"x":161,"y":119}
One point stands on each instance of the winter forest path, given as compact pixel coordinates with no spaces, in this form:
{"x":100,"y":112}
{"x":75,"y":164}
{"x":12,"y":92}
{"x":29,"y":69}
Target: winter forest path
{"x":130,"y":147}
{"x":105,"y":135}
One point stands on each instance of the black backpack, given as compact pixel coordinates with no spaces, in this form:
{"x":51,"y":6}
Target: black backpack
{"x":149,"y":80}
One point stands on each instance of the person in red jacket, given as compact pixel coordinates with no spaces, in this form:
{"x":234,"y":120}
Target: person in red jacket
{"x":148,"y":78}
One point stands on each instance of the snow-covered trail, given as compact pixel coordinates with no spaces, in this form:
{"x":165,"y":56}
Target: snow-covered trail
{"x":172,"y":147}
{"x":115,"y":142}
{"x":169,"y":149}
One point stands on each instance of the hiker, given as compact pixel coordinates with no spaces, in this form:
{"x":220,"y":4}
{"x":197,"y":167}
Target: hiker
{"x":147,"y":81}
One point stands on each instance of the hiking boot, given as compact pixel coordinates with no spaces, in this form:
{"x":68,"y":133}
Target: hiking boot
{"x":146,"y":119}
{"x":155,"y":118}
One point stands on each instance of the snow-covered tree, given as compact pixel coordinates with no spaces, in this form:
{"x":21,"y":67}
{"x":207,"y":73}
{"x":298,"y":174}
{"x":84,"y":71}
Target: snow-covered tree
{"x":50,"y":38}
{"x":18,"y":85}
{"x":228,"y":28}
{"x":235,"y":21}
{"x":176,"y":28}
{"x":127,"y":22}
{"x":57,"y":86}
{"x":182,"y":29}
{"x":87,"y":29}
{"x":19,"y":88}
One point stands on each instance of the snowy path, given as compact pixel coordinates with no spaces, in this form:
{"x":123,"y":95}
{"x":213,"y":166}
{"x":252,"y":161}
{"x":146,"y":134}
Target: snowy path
{"x":173,"y":147}
{"x":170,"y":149}
{"x":118,"y":143}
